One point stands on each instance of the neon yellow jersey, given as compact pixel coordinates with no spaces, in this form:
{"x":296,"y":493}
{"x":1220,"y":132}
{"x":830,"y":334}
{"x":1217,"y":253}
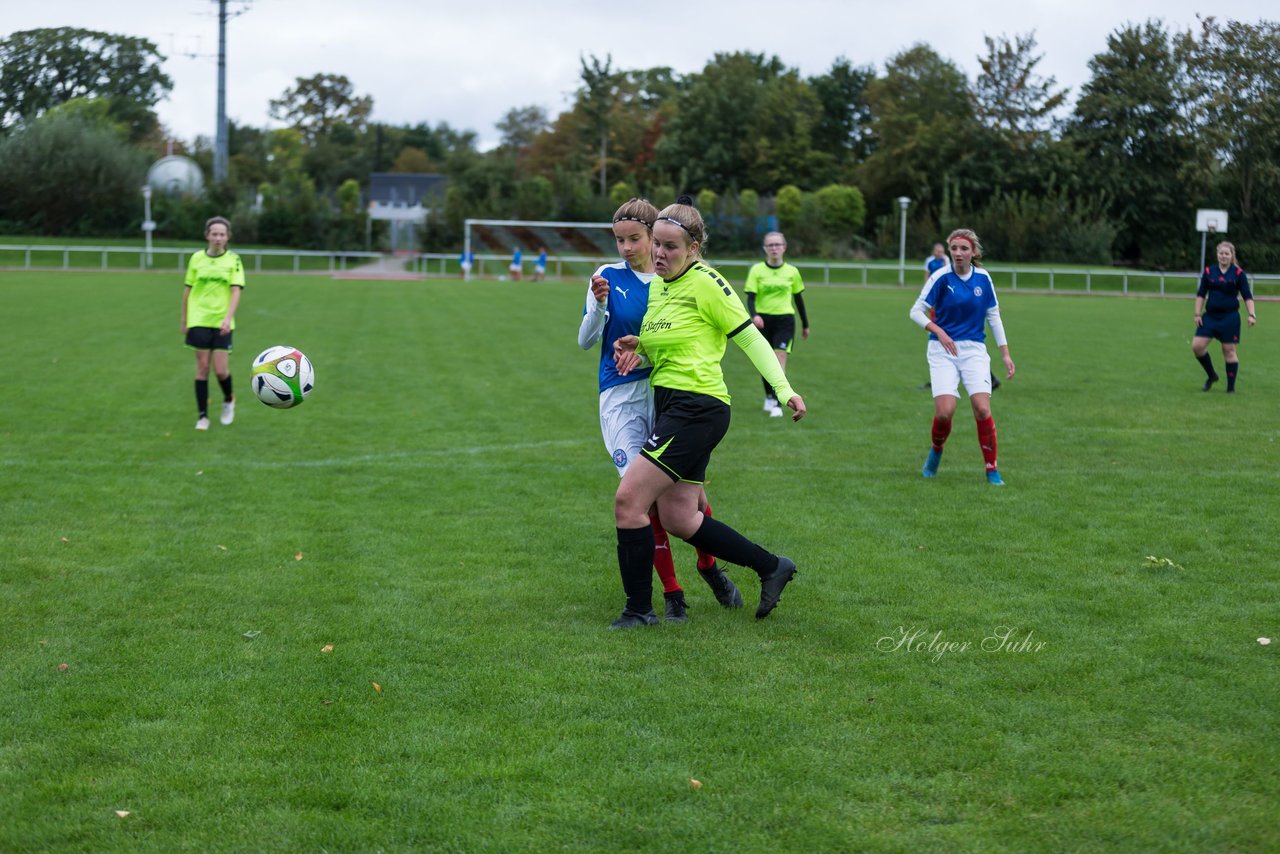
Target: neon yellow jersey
{"x":685,"y":329}
{"x":211,"y":279}
{"x":774,"y":287}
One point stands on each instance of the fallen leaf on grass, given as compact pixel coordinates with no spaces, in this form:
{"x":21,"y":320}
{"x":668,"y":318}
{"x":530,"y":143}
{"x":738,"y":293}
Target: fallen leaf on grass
{"x":298,"y":556}
{"x":44,"y":643}
{"x":1264,"y":641}
{"x":327,"y":648}
{"x":695,"y":784}
{"x":1153,"y":561}
{"x":377,"y":687}
{"x":200,"y":472}
{"x":224,"y":548}
{"x":65,"y":540}
{"x":251,"y":634}
{"x":326,"y":702}
{"x":62,"y":668}
{"x":122,"y":813}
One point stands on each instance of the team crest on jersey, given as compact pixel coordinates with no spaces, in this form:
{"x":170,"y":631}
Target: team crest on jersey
{"x":620,"y":458}
{"x":977,"y":290}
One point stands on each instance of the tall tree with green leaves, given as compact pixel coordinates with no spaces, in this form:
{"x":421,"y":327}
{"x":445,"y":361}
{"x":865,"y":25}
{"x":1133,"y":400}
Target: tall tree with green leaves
{"x":40,"y":69}
{"x":1130,"y":127}
{"x":1234,"y":73}
{"x":1009,"y":95}
{"x":925,"y":134}
{"x":744,"y":120}
{"x":319,"y":104}
{"x":596,"y":98}
{"x":843,"y":129}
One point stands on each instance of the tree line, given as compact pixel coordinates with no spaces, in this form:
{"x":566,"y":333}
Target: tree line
{"x":1167,"y":122}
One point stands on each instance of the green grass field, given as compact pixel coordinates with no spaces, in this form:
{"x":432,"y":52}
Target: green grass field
{"x":440,"y":513}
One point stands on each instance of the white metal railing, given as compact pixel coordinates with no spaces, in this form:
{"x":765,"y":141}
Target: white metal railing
{"x":1038,"y":279}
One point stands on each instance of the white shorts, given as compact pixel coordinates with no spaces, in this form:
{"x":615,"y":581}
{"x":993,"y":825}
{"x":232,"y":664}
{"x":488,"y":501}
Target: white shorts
{"x":540,"y":270}
{"x":514,"y":268}
{"x":626,"y":417}
{"x":971,"y":365}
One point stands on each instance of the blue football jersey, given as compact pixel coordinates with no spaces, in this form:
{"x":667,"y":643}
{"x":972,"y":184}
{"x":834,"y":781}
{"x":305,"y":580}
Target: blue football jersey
{"x":960,"y":304}
{"x":628,"y":300}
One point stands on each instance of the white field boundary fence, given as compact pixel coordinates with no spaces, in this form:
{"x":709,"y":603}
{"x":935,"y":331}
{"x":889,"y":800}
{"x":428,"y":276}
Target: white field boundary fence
{"x":576,"y":269}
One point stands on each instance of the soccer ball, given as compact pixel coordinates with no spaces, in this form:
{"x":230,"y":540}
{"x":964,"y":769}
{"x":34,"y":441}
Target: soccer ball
{"x":282,"y":377}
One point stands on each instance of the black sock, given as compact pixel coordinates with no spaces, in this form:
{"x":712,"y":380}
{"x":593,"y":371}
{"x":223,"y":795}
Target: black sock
{"x":225,"y":382}
{"x":716,"y":538}
{"x":768,"y":389}
{"x":202,"y":397}
{"x":635,"y":565}
{"x":1207,"y":364}
{"x":1233,"y":368}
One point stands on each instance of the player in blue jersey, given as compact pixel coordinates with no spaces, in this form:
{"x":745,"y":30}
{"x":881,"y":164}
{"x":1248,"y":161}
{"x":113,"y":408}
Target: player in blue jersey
{"x":933,"y":264}
{"x":936,"y":261}
{"x":540,"y":265}
{"x":961,"y":299}
{"x":1218,"y":314}
{"x":615,"y":305}
{"x":516,"y":267}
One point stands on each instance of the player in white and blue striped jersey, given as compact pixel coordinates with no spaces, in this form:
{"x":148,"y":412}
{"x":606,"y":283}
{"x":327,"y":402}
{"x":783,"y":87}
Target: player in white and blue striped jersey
{"x":961,"y":299}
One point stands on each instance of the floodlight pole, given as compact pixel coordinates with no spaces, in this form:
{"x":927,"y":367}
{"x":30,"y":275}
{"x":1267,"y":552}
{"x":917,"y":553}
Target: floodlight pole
{"x":903,"y":202}
{"x":220,"y":142}
{"x":148,"y":224}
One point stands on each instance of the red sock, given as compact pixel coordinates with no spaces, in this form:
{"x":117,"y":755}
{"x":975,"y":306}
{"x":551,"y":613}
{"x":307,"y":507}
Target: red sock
{"x":706,"y":561}
{"x":941,"y":430}
{"x":987,"y":440}
{"x":662,"y":561}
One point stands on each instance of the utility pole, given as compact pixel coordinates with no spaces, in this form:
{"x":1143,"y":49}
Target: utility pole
{"x":220,"y":144}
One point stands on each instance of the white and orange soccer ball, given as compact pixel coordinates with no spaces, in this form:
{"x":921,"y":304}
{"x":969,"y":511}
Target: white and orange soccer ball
{"x":282,"y":377}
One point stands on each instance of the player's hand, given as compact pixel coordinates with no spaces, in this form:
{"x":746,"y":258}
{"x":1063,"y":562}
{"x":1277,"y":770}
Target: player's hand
{"x":1009,"y":368}
{"x":625,"y":356}
{"x":796,"y":404}
{"x":1252,"y":320}
{"x":225,"y":328}
{"x":182,"y":328}
{"x":805,"y":333}
{"x":758,"y":321}
{"x":600,"y":289}
{"x":1198,"y":320}
{"x":947,"y":343}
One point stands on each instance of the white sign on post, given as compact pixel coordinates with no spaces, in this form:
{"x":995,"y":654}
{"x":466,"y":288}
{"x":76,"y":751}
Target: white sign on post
{"x":1209,"y":220}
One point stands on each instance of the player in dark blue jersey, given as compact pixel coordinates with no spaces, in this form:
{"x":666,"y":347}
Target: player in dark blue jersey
{"x":1218,"y":314}
{"x":961,"y":298}
{"x":615,"y":306}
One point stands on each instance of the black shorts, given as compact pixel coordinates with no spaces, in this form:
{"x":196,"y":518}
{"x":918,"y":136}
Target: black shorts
{"x":207,"y":338}
{"x":687,"y":427}
{"x":779,"y":330}
{"x":1224,"y":327}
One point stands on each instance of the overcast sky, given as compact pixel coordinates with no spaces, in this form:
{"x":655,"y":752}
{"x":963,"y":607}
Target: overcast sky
{"x":468,"y":63}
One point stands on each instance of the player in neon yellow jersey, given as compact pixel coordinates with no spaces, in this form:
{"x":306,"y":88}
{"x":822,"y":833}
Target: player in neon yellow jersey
{"x":215,"y":278}
{"x":692,"y":314}
{"x":774,"y":294}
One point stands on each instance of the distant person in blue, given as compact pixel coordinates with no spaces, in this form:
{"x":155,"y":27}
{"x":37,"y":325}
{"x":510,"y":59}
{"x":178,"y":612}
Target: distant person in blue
{"x":1218,"y":314}
{"x":540,"y":266}
{"x":516,"y":268}
{"x":466,"y":260}
{"x":616,"y":301}
{"x":933,"y":264}
{"x":936,"y":261}
{"x":953,"y":306}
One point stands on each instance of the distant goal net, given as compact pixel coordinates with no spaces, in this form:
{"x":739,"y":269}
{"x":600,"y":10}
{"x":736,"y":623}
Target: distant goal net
{"x":573,"y":248}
